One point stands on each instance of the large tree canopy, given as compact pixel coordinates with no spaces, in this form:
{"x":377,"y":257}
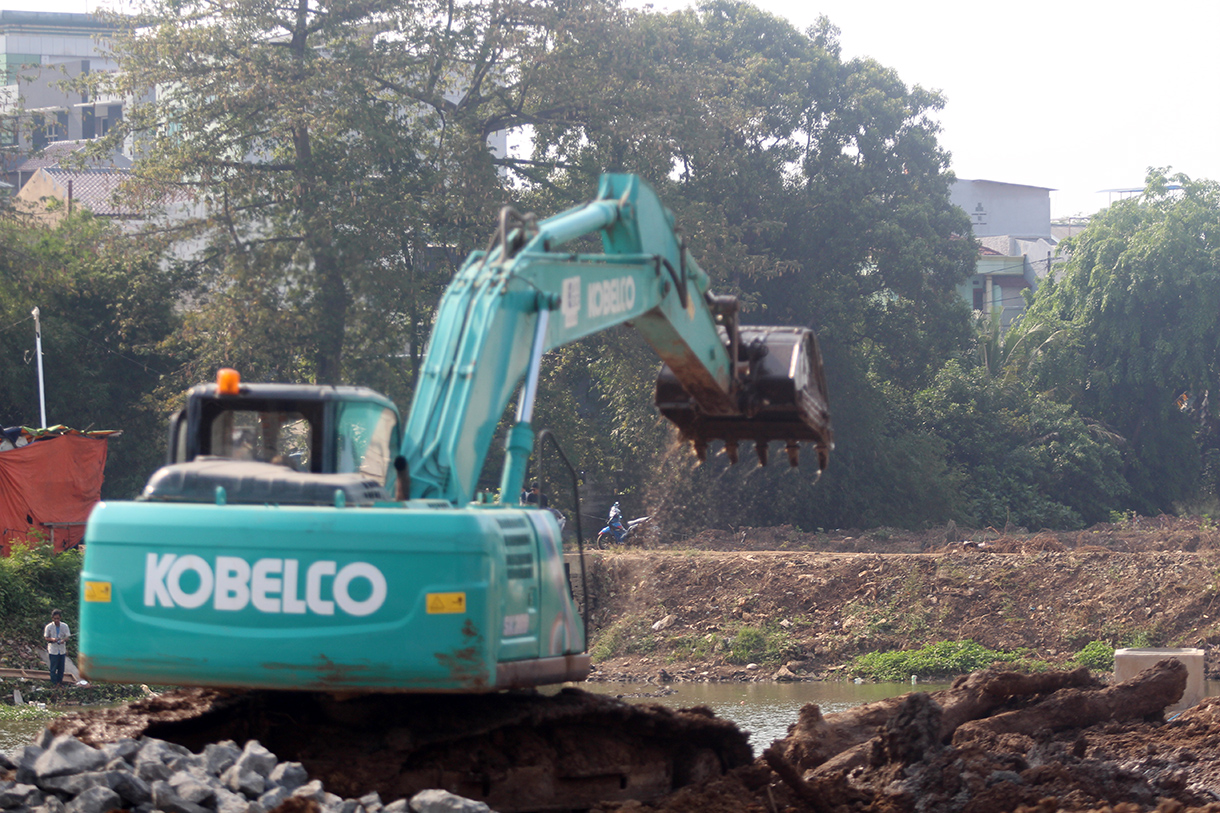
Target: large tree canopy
{"x":812,"y":187}
{"x":1130,"y":332}
{"x":336,"y":160}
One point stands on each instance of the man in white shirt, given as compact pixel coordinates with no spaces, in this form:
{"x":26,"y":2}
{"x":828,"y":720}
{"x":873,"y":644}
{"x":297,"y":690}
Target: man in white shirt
{"x":56,"y":634}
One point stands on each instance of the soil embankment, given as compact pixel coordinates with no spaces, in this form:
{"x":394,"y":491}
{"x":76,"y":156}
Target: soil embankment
{"x":810,"y":603}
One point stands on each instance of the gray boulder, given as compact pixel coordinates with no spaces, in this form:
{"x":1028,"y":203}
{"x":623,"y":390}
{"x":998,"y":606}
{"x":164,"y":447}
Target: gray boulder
{"x":220,"y":756}
{"x":436,"y":800}
{"x":248,"y":783}
{"x":131,"y":787}
{"x":67,"y":755}
{"x":97,"y":799}
{"x":25,"y":764}
{"x":125,"y":749}
{"x":194,"y":788}
{"x":165,"y":799}
{"x":151,"y":771}
{"x":254,"y":757}
{"x":290,"y":775}
{"x":76,"y":783}
{"x":272,"y":798}
{"x":19,"y":795}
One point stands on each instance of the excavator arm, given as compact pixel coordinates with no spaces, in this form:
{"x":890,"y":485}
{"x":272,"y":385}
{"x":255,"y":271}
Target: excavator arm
{"x":525,"y":295}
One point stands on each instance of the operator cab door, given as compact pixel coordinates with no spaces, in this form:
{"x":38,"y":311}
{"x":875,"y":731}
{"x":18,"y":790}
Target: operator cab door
{"x":519,"y":630}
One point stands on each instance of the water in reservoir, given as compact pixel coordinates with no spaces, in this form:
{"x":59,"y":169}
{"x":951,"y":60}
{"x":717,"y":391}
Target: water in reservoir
{"x":765,"y":710}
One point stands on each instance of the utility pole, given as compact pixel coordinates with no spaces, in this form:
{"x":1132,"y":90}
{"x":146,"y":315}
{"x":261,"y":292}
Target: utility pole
{"x":42,"y":396}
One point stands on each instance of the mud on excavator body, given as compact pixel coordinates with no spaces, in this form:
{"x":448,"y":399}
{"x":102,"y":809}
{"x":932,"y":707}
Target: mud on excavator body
{"x":781,"y":394}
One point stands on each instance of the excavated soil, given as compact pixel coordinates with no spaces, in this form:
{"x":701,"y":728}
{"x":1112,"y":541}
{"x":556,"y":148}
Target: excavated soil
{"x":1062,"y":739}
{"x":670,"y":611}
{"x":1058,"y":742}
{"x":515,"y":751}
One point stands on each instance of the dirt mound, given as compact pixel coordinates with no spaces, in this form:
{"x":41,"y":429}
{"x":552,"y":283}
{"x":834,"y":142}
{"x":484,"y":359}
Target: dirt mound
{"x":1132,"y":535}
{"x":1149,"y":583}
{"x":513,"y":751}
{"x":993,"y":742}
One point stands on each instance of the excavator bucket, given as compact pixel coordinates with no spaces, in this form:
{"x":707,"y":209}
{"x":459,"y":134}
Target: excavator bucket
{"x":781,"y":395}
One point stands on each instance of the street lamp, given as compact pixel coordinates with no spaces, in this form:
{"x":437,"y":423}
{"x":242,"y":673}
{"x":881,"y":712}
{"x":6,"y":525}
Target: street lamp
{"x":42,"y":396}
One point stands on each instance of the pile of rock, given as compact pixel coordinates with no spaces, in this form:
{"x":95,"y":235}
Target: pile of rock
{"x":64,"y":775}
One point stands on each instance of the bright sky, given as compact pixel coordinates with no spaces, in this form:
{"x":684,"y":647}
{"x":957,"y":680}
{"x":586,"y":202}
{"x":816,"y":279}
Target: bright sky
{"x":1074,"y":95}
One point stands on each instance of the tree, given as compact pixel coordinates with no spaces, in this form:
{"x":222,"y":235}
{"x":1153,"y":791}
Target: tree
{"x":1136,"y":319}
{"x":814,"y":189}
{"x":106,"y":309}
{"x":337,"y":158}
{"x":1023,"y":459}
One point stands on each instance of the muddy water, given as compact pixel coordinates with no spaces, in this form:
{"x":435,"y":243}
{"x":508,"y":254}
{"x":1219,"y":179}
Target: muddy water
{"x":767,"y":709}
{"x":763,"y":709}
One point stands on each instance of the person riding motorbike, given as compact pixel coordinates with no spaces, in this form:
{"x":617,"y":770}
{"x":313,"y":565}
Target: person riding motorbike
{"x":614,"y":524}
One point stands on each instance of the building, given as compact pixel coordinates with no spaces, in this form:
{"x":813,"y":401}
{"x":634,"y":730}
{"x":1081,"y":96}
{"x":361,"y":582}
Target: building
{"x":38,"y":51}
{"x":42,"y":125}
{"x":1012,"y":223}
{"x":94,"y":189}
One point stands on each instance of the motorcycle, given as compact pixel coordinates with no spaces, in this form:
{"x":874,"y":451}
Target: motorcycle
{"x":616,"y":531}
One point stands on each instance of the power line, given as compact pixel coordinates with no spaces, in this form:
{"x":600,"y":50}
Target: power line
{"x":18,"y":322}
{"x":109,"y":350}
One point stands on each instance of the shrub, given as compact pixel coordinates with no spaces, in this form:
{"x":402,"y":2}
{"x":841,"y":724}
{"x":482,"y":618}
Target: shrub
{"x":1096,"y":655}
{"x":34,"y":580}
{"x":754,"y":645}
{"x":628,"y":636}
{"x":940,"y":659}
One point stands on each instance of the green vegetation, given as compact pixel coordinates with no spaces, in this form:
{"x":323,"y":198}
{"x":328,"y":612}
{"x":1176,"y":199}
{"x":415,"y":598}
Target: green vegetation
{"x":631,"y":635}
{"x":332,"y":206}
{"x":941,"y":659}
{"x":34,"y":581}
{"x":29,"y":711}
{"x":766,"y":646}
{"x":1096,"y":655}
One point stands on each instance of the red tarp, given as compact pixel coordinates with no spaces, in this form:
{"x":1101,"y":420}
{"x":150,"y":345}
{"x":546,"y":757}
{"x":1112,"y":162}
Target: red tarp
{"x":54,"y":480}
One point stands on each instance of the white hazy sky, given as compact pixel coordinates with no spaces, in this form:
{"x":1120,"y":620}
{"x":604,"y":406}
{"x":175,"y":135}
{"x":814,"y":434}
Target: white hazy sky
{"x":1075,"y":95}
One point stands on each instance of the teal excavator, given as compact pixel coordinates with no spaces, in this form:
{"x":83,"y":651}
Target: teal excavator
{"x":302,"y":537}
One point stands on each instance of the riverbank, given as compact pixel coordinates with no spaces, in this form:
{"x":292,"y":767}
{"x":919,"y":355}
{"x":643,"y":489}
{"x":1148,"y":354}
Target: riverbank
{"x":794,"y":606}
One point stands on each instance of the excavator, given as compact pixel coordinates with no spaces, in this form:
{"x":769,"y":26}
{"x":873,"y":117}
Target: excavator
{"x":304,"y":538}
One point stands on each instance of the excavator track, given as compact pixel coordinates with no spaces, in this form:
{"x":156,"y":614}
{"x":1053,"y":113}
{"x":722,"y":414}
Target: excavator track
{"x":515,"y":751}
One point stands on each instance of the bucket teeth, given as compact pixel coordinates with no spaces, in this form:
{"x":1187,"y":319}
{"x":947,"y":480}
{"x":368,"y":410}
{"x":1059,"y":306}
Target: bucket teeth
{"x":780,"y":392}
{"x":794,"y":453}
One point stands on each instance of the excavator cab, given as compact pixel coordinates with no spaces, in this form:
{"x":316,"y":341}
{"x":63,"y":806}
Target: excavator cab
{"x":780,"y":387}
{"x":280,"y":444}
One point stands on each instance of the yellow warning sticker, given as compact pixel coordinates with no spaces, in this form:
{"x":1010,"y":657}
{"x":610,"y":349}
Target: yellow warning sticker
{"x":446,"y":603}
{"x":97,"y":591}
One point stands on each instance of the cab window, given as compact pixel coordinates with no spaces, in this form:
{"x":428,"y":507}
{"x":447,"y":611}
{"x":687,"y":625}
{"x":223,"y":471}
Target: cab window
{"x":282,"y":438}
{"x":367,"y":436}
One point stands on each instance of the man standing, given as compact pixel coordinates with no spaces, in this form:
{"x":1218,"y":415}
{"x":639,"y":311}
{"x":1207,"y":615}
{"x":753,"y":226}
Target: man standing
{"x":56,"y":634}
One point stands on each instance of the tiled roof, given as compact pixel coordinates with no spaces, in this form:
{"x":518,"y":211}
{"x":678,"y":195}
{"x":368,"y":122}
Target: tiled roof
{"x":55,"y":152}
{"x":92,"y":188}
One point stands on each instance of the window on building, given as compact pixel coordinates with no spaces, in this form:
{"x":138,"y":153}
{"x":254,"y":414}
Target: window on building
{"x":50,"y":127}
